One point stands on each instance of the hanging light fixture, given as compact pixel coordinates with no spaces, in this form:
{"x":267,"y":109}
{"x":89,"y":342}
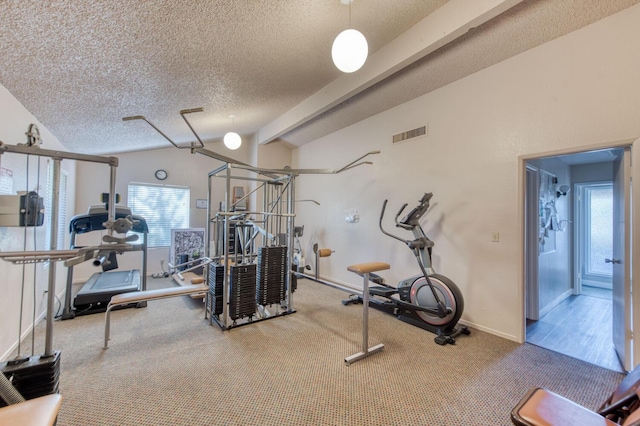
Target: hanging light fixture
{"x":232,"y":140}
{"x":350,"y":48}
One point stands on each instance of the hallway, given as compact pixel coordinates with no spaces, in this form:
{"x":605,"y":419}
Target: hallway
{"x":579,"y":327}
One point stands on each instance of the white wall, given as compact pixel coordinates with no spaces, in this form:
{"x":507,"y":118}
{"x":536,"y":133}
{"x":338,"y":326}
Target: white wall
{"x":14,"y":122}
{"x":578,"y":91}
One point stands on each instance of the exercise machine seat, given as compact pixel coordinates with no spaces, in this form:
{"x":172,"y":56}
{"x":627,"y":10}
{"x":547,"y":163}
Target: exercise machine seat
{"x":41,"y":411}
{"x":541,"y":407}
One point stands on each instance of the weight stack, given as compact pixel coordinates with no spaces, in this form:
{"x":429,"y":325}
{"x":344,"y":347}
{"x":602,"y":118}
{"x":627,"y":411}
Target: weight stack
{"x":272,"y":274}
{"x":242,"y":292}
{"x":216,"y":283}
{"x":38,"y":376}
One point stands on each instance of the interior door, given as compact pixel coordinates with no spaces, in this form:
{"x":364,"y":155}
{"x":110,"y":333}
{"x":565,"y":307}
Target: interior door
{"x":621,"y":259}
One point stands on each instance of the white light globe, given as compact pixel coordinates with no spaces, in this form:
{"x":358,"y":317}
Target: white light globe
{"x":232,"y":140}
{"x":350,"y":50}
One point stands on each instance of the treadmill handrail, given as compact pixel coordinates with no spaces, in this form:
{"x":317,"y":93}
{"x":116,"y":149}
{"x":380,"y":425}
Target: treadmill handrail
{"x":81,"y":224}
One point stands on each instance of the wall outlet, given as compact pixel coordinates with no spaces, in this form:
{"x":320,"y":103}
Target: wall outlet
{"x":495,"y":237}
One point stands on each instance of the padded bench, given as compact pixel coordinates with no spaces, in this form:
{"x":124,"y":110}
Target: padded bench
{"x":41,"y":411}
{"x":541,"y":407}
{"x":146,"y":296}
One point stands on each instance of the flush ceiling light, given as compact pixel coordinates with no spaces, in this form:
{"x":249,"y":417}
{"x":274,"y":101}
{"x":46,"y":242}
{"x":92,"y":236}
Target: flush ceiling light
{"x":232,"y":140}
{"x":350,"y":48}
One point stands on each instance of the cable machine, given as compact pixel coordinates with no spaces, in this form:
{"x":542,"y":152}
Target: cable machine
{"x":39,"y":375}
{"x":251,"y":251}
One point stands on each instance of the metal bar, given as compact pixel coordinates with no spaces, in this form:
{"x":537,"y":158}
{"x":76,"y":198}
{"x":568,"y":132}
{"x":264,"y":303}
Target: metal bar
{"x":352,"y":164}
{"x":51,"y":287}
{"x":251,"y":179}
{"x":111,"y":205}
{"x":245,"y":197}
{"x":227,"y":275}
{"x":347,"y":289}
{"x":308,"y":171}
{"x":143,"y":118}
{"x":218,"y":170}
{"x":247,"y":213}
{"x":34,"y":150}
{"x":291,"y":225}
{"x":217,"y":156}
{"x":284,"y":171}
{"x":40,"y":254}
{"x":189,"y":111}
{"x":366,"y":350}
{"x":207,"y":251}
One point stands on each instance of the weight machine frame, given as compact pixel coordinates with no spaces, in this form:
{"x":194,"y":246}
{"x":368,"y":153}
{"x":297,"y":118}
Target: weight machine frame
{"x":278,"y":187}
{"x":268,"y":178}
{"x":54,"y":255}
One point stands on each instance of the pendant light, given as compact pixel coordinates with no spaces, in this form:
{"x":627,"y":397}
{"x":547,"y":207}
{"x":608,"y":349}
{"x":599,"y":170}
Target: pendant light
{"x":350,"y":48}
{"x":232,"y":140}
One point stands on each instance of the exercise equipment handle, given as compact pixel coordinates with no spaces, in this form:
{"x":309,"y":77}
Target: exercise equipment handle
{"x":400,"y":224}
{"x":384,"y":206}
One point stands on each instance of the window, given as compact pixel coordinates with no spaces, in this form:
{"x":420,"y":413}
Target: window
{"x":163,"y":207}
{"x":62,"y":209}
{"x":597,"y":231}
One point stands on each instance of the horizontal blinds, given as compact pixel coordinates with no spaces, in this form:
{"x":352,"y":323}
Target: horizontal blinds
{"x":62,"y":209}
{"x":163,"y":207}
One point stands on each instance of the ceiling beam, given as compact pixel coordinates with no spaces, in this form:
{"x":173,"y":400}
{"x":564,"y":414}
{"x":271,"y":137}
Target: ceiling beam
{"x":446,"y":24}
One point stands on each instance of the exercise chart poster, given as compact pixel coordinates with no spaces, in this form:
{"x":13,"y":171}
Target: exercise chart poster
{"x":186,"y":241}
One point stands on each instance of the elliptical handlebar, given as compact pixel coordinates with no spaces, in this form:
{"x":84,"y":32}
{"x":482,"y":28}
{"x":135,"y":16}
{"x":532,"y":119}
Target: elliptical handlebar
{"x":384,"y":206}
{"x":401,"y":224}
{"x":411,"y":220}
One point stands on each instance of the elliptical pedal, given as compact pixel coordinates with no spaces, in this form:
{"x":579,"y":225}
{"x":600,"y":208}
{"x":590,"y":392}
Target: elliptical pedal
{"x":382,"y":291}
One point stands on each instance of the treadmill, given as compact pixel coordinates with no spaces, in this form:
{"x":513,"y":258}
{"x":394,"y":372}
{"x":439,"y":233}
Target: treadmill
{"x":95,"y":294}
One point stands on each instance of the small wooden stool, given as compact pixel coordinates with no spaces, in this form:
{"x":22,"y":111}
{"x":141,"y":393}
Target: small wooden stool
{"x":365,"y":269}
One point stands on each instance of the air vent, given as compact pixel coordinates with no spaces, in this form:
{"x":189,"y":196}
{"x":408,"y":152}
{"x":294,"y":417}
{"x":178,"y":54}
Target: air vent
{"x":410,"y":134}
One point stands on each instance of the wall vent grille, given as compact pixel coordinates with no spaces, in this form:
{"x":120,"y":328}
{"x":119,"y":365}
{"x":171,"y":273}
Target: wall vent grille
{"x":410,"y":134}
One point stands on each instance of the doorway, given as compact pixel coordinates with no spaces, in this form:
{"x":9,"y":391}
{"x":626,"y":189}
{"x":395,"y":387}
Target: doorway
{"x":568,"y":238}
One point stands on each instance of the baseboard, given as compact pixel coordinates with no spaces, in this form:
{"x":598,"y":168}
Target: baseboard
{"x":5,"y":356}
{"x":555,"y":302}
{"x":490,"y":331}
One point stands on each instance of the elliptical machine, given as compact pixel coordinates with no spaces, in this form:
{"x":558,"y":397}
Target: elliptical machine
{"x":430,"y":301}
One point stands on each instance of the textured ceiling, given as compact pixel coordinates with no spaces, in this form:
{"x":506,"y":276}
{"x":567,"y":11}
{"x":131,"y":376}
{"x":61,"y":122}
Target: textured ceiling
{"x":80,"y":66}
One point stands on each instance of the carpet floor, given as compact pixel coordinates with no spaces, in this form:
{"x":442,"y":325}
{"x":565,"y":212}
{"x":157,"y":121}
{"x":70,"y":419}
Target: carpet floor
{"x":167,"y":366}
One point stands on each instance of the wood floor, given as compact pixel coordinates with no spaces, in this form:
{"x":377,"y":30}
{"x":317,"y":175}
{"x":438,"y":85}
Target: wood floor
{"x":579,"y":327}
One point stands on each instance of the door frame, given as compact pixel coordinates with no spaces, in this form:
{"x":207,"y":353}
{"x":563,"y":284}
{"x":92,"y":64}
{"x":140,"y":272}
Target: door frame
{"x":635,"y":242}
{"x":532,"y":291}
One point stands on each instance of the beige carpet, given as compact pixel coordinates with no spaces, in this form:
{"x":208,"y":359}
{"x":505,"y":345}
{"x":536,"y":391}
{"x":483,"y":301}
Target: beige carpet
{"x":167,"y":366}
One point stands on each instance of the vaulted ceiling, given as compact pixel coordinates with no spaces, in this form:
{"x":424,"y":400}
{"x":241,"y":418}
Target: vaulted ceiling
{"x":81,"y":66}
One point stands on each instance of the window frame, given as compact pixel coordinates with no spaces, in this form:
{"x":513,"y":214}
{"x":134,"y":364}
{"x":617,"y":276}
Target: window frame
{"x":160,"y":231}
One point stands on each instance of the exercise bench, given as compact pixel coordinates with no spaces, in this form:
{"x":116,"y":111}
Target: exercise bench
{"x":541,"y":407}
{"x":41,"y":411}
{"x":146,"y":296}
